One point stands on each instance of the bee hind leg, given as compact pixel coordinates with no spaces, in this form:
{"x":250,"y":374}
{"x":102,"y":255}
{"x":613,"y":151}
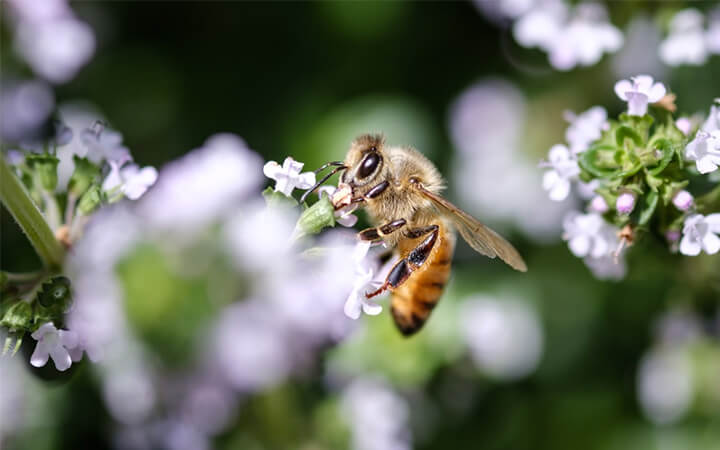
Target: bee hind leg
{"x":406,"y":266}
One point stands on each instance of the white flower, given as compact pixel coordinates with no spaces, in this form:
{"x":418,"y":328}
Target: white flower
{"x":639,"y":92}
{"x":504,"y":335}
{"x":56,"y":49}
{"x":24,"y":107}
{"x":607,"y":267}
{"x":53,"y":343}
{"x":366,"y":281}
{"x":585,"y":128}
{"x":541,"y":26}
{"x":686,"y":42}
{"x":104,"y":144}
{"x":564,"y":169}
{"x":344,"y":216}
{"x":131,"y":180}
{"x":712,"y":123}
{"x":705,"y":151}
{"x":587,"y":235}
{"x":700,"y":233}
{"x":288,"y":177}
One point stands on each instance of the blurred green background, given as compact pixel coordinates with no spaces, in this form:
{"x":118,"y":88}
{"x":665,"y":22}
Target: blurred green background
{"x":303,"y":79}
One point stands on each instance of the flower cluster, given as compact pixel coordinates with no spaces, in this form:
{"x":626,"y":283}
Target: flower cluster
{"x":688,"y":41}
{"x":638,"y":176}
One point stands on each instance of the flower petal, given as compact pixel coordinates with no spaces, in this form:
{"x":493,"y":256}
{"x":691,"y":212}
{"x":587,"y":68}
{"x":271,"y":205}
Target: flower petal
{"x":656,"y":92}
{"x":622,"y":87}
{"x":43,"y":330}
{"x":371,"y":308}
{"x":706,"y":165}
{"x":271,"y":169}
{"x":637,"y":104}
{"x":580,"y":246}
{"x":40,"y":356}
{"x":713,"y":221}
{"x":353,"y":306}
{"x":560,"y":191}
{"x":689,"y":247}
{"x":711,"y":243}
{"x":61,"y":358}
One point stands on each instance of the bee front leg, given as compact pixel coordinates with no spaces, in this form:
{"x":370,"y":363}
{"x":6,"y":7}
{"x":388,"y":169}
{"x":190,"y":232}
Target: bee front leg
{"x":406,"y":266}
{"x":377,"y":233}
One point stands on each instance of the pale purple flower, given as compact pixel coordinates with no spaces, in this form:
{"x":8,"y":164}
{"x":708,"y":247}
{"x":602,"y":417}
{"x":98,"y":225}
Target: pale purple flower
{"x":56,"y":49}
{"x":53,"y":343}
{"x":541,"y":27}
{"x":104,"y":144}
{"x":564,"y":169}
{"x":684,"y":124}
{"x":288,"y":176}
{"x":641,"y":34}
{"x":504,"y":336}
{"x":585,"y":128}
{"x":344,"y":216}
{"x":712,"y":123}
{"x":30,"y":11}
{"x":712,"y":37}
{"x":504,"y":9}
{"x":700,"y":233}
{"x":204,"y":184}
{"x":683,"y":200}
{"x":686,"y":42}
{"x":638,"y":92}
{"x":130,"y":180}
{"x":366,"y":281}
{"x":704,"y":149}
{"x":24,"y":108}
{"x":607,"y":267}
{"x":665,"y":384}
{"x":625,"y":203}
{"x":586,"y":191}
{"x":598,"y":205}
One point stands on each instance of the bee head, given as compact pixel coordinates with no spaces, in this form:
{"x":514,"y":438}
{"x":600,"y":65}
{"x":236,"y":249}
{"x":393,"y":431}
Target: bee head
{"x":364,"y":161}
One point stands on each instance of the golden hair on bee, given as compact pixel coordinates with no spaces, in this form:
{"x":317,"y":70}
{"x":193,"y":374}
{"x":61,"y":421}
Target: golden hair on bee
{"x":400,"y":189}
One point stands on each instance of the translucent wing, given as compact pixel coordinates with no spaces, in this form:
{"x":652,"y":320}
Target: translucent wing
{"x":481,"y":238}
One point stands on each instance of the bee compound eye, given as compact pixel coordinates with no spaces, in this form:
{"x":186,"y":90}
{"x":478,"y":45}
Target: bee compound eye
{"x":368,"y":166}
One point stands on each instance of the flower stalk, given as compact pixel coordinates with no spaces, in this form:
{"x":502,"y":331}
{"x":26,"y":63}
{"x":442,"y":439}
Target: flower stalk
{"x":18,"y":202}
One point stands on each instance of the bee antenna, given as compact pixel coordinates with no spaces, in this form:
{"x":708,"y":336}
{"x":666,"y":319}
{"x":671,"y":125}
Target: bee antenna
{"x":328,"y":164}
{"x":324,"y":179}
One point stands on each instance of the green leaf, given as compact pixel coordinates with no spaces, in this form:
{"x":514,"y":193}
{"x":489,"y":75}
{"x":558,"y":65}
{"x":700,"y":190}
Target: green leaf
{"x":647,"y":207}
{"x":667,"y":149}
{"x":599,"y":161}
{"x":624,"y":132}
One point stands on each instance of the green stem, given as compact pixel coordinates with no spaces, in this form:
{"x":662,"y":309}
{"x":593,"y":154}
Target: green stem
{"x":17,"y":200}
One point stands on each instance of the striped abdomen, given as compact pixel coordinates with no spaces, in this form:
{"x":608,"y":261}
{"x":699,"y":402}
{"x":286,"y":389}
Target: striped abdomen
{"x":414,"y":300}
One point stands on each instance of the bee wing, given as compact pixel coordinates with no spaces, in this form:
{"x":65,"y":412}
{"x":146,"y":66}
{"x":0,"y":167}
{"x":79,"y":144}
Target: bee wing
{"x":481,"y":238}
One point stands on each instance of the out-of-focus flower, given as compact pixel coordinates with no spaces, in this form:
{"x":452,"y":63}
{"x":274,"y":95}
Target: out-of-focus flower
{"x":56,"y":49}
{"x":683,"y":200}
{"x":700,"y":234}
{"x":344,"y":216}
{"x":587,"y":235}
{"x":607,"y":267}
{"x":571,"y":38}
{"x":505,"y":9}
{"x":357,"y":302}
{"x":705,"y":151}
{"x":712,"y":37}
{"x":131,"y":180}
{"x":378,"y":417}
{"x":712,"y":123}
{"x":585,"y":128}
{"x":598,"y":205}
{"x":686,"y":43}
{"x":104,"y":144}
{"x":638,"y":92}
{"x":504,"y":336}
{"x":53,"y":343}
{"x":641,"y":34}
{"x":24,"y":107}
{"x":564,"y":169}
{"x":203,"y":184}
{"x":625,"y":203}
{"x":684,"y":124}
{"x":665,"y":385}
{"x":288,"y":177}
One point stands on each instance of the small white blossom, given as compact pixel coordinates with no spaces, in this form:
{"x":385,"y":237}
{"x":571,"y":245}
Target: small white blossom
{"x":683,"y":200}
{"x":700,"y":233}
{"x":585,"y":128}
{"x":686,"y":42}
{"x":366,"y":280}
{"x":104,"y":144}
{"x":53,"y":343}
{"x":712,"y":123}
{"x":564,"y":169}
{"x":625,"y":203}
{"x":344,"y":216}
{"x":607,"y":267}
{"x":288,"y":177}
{"x":588,"y":235}
{"x":638,"y":92}
{"x":705,"y":151}
{"x":131,"y":180}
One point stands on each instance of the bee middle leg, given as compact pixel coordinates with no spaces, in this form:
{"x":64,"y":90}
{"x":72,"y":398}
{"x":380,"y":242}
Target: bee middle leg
{"x":406,"y":266}
{"x":376,"y":234}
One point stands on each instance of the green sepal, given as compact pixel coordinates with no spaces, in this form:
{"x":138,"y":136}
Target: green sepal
{"x":648,"y":204}
{"x":625,"y":132}
{"x":55,"y":294}
{"x":275,"y":199}
{"x":90,"y":200}
{"x":84,"y":175}
{"x":45,"y":167}
{"x":18,"y":316}
{"x":315,"y":218}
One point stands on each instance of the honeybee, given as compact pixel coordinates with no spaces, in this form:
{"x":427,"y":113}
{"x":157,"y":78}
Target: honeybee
{"x":400,"y":189}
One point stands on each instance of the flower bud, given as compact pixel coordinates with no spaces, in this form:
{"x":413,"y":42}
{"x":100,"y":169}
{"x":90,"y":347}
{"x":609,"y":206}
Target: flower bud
{"x":90,"y":200}
{"x":599,"y":205}
{"x":84,"y":175}
{"x":625,"y":203}
{"x":45,"y":167}
{"x":684,"y":124}
{"x":19,"y":316}
{"x":318,"y":216}
{"x":683,"y":200}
